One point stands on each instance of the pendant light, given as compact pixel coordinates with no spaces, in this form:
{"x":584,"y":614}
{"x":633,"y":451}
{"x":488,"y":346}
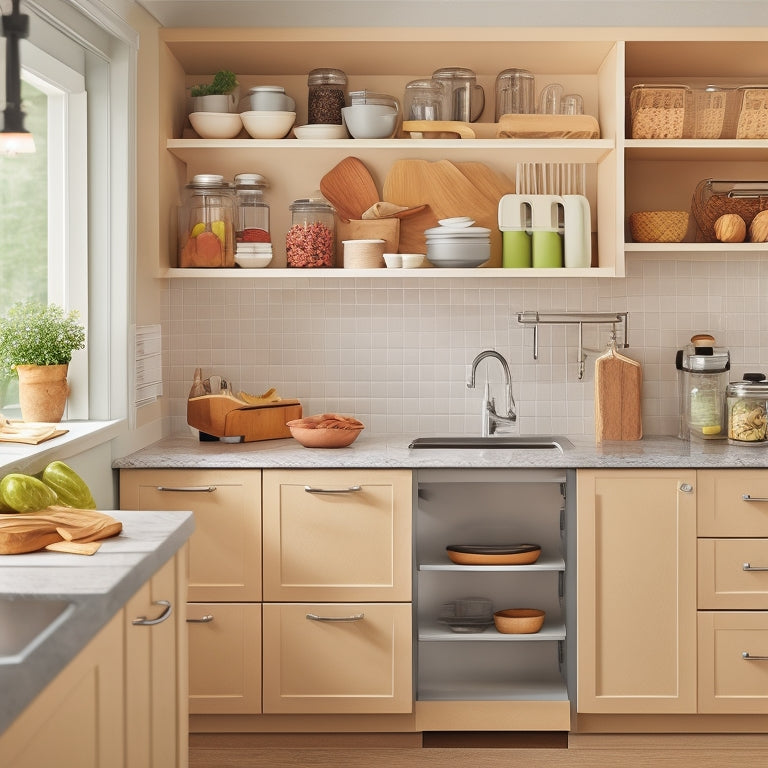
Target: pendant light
{"x":14,"y":138}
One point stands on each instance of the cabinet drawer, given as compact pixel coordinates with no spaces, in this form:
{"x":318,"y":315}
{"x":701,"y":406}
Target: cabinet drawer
{"x":224,"y":658}
{"x":337,"y":535}
{"x":225,"y":548}
{"x":733,"y":502}
{"x":729,"y":682}
{"x":725,"y":578}
{"x":350,"y":658}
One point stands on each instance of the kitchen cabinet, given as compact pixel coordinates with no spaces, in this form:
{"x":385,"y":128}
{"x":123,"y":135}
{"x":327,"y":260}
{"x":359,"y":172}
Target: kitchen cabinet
{"x":733,"y":587}
{"x":337,"y":591}
{"x":488,"y":680}
{"x":637,"y":591}
{"x":120,"y":702}
{"x":224,"y":563}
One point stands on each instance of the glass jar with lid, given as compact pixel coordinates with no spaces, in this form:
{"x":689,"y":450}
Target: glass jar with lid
{"x":251,"y":210}
{"x":327,"y":96}
{"x":311,"y":240}
{"x":747,"y":408}
{"x":206,"y":223}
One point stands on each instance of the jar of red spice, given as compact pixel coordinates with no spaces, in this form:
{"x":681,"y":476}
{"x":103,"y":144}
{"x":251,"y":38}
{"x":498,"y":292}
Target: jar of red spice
{"x":311,"y":240}
{"x":251,"y":210}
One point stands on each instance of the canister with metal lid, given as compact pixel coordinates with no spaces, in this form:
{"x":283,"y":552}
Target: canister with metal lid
{"x":327,"y":96}
{"x":311,"y":240}
{"x":251,"y":210}
{"x":746,"y":404}
{"x":206,"y":222}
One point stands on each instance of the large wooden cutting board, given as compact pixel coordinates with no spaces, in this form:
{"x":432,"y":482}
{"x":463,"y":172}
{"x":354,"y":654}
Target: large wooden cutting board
{"x":29,"y":532}
{"x":618,"y":386}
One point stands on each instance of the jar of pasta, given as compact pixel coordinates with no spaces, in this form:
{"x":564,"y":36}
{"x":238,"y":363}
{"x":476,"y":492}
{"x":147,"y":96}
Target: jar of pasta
{"x":747,"y":409}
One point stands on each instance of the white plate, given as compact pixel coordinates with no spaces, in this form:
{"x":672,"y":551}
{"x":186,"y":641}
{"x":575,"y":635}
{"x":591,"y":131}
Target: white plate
{"x":457,"y":221}
{"x":320,"y":131}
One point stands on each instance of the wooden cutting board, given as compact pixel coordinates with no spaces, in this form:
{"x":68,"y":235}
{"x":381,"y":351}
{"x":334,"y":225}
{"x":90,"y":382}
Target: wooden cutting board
{"x":350,"y":188}
{"x":618,"y":387}
{"x":63,"y":528}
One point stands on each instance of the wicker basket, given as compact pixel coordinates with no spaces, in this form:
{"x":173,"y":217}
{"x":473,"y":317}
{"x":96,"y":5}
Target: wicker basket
{"x":661,"y":111}
{"x":753,"y":115}
{"x":714,"y":198}
{"x":658,"y":226}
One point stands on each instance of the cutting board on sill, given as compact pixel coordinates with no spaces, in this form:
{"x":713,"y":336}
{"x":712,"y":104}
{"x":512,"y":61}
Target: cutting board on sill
{"x":64,"y":529}
{"x":618,"y":388}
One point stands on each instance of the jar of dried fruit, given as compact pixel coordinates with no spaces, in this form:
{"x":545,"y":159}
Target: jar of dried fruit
{"x":311,"y":240}
{"x":327,"y":96}
{"x":207,"y":223}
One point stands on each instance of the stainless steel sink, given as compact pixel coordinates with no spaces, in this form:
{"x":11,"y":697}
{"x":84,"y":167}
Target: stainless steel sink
{"x":515,"y":442}
{"x":25,"y":622}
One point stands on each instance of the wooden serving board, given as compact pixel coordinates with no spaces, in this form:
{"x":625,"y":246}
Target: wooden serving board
{"x":548,"y":127}
{"x":618,"y":384}
{"x":63,"y":528}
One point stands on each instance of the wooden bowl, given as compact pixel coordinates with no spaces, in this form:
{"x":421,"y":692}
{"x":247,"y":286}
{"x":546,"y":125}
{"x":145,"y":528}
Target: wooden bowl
{"x":514,"y":554}
{"x":519,"y":621}
{"x":327,"y":430}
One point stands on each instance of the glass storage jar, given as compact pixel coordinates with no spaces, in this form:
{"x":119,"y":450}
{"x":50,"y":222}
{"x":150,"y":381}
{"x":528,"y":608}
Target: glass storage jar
{"x":746,"y":403}
{"x":327,"y":96}
{"x":206,"y":221}
{"x":311,"y":240}
{"x":251,"y":211}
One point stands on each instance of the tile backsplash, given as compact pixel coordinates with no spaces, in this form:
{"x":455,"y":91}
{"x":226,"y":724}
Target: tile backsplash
{"x":396,"y":352}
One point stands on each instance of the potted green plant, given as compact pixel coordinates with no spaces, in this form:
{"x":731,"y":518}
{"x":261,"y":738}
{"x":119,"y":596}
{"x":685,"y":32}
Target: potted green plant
{"x":220,"y":95}
{"x":36,"y":344}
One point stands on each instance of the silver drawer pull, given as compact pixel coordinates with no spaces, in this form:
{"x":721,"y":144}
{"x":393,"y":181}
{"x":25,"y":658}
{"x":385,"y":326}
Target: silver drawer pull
{"x":351,"y":489}
{"x":354,"y":617}
{"x":143,"y":621}
{"x":202,"y":620}
{"x":747,"y":497}
{"x":748,"y":567}
{"x":746,"y":655}
{"x":187,"y":488}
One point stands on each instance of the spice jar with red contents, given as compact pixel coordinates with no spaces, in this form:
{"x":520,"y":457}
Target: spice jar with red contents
{"x":207,"y":223}
{"x":251,"y":211}
{"x":311,"y":240}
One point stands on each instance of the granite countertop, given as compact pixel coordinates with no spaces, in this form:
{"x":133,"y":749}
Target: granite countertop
{"x":97,"y":587}
{"x":185,"y":451}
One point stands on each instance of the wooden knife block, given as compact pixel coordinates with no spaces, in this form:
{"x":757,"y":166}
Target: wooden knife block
{"x":223,"y":417}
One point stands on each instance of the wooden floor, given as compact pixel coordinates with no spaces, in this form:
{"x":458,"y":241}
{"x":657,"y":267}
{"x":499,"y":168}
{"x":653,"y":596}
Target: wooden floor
{"x":702,"y":751}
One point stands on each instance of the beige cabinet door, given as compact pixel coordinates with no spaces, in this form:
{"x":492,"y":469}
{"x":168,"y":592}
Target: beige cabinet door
{"x":733,"y":502}
{"x":156,"y":671}
{"x":224,"y":658}
{"x":733,"y":574}
{"x":733,"y":662}
{"x":333,"y":535}
{"x":636,"y":621}
{"x":225,"y":549}
{"x":337,"y":658}
{"x":77,"y":721}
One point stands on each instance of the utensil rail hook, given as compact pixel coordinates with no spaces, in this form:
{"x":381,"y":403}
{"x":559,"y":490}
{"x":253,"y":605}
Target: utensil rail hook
{"x":535,"y":319}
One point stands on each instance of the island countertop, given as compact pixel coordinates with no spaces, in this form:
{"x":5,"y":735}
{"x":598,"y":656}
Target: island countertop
{"x":185,"y":451}
{"x":97,"y":588}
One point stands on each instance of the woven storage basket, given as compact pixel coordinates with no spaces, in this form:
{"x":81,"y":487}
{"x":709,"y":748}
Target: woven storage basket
{"x":712,"y":199}
{"x":661,"y":111}
{"x":658,"y":226}
{"x":753,"y":116}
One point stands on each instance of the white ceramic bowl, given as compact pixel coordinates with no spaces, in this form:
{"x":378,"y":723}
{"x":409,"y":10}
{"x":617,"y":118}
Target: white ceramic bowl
{"x":268,"y":125}
{"x":253,"y":260}
{"x":320,"y":131}
{"x":370,"y":121}
{"x":458,"y":252}
{"x":216,"y":125}
{"x":412,"y":260}
{"x":393,"y":260}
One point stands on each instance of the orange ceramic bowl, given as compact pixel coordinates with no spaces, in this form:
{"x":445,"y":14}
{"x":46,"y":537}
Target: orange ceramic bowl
{"x":326,"y":430}
{"x":519,"y":621}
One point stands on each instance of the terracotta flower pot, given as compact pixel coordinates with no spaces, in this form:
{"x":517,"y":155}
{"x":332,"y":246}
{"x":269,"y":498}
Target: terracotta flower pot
{"x":43,"y":391}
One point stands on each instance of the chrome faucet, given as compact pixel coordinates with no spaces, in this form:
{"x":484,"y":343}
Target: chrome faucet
{"x":491,"y":419}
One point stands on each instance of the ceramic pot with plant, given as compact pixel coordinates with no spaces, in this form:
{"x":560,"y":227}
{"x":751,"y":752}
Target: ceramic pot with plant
{"x":36,"y":344}
{"x":220,"y":95}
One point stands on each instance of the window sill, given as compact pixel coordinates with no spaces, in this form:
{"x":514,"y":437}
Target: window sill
{"x":80,"y":436}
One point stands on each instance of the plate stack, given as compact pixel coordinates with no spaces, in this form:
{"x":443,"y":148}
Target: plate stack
{"x":456,"y":243}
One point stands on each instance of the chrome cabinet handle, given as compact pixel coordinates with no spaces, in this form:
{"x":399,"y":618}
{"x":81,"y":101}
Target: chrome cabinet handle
{"x":747,"y":497}
{"x":354,"y":617}
{"x":351,"y":489}
{"x":748,"y":657}
{"x":748,"y":567}
{"x":202,"y":620}
{"x":143,"y":621}
{"x":686,"y":487}
{"x":187,"y":488}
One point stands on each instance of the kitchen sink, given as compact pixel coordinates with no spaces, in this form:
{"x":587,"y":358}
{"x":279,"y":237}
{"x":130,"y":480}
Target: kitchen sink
{"x":26,"y":622}
{"x":514,"y":442}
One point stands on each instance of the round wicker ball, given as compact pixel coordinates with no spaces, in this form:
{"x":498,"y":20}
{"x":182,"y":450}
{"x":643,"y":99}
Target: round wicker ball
{"x":658,"y":226}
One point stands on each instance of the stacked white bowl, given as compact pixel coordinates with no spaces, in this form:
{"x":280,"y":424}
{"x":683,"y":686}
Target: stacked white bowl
{"x":456,"y":243}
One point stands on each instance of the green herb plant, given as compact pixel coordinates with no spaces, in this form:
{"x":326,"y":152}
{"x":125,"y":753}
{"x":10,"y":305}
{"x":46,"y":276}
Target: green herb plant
{"x":224,"y":82}
{"x":32,"y":333}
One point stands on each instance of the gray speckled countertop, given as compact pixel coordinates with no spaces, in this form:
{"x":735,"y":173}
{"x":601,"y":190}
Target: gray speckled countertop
{"x":98,"y":587}
{"x":186,"y":451}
